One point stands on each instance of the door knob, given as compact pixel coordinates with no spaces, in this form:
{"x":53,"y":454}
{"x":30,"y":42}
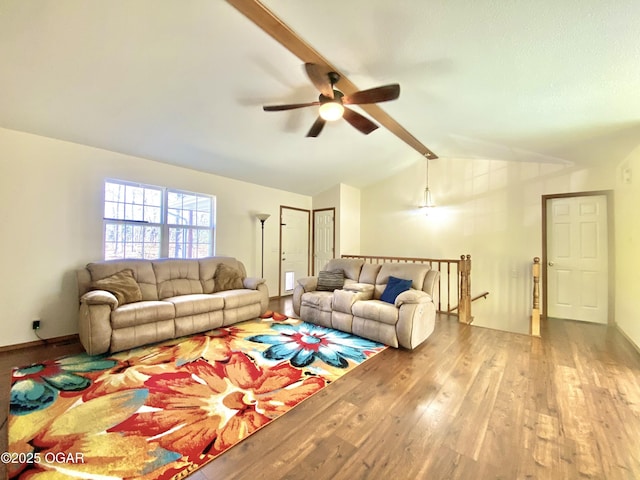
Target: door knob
{"x":550,"y":264}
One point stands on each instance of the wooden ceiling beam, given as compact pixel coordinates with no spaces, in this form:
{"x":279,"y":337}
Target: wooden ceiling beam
{"x":264,"y":18}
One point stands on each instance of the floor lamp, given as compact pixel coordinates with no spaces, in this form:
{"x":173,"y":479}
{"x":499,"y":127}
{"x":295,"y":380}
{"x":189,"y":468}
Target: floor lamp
{"x":263,"y":218}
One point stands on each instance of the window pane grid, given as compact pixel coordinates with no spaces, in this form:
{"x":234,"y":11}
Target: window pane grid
{"x":125,"y":240}
{"x":189,"y":242}
{"x":189,"y":209}
{"x":142,"y":221}
{"x":132,"y":202}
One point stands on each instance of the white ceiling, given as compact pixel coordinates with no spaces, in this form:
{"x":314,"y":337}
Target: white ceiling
{"x":183,"y":82}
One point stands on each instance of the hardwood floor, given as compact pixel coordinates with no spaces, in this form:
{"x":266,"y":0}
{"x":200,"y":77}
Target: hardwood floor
{"x":469,"y":403}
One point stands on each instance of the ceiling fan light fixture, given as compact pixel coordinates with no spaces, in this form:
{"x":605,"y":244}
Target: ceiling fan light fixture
{"x":331,"y":111}
{"x":331,"y":101}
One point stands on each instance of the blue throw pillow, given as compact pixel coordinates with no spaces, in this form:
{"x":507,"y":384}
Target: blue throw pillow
{"x":395,"y":287}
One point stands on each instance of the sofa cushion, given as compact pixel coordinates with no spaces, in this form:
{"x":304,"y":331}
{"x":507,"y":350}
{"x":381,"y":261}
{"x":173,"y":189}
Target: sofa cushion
{"x":239,"y":298}
{"x":318,"y":300}
{"x":209,"y":265}
{"x":395,"y":286}
{"x":140,"y":313}
{"x":376,"y":310}
{"x":330,"y":281}
{"x":414,"y":271}
{"x":417,"y":272}
{"x":369,"y":273}
{"x":122,"y":285}
{"x":350,"y":266}
{"x":177,"y":277}
{"x":142,"y":272}
{"x":186,"y":305}
{"x":136,"y":335}
{"x":343,"y":300}
{"x":227,"y":278}
{"x":377,"y":331}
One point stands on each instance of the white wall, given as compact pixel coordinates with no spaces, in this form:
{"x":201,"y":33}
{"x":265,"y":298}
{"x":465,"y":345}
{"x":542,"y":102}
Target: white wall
{"x":627,"y":199}
{"x":487,"y":208}
{"x":51,"y":218}
{"x":349,"y":220}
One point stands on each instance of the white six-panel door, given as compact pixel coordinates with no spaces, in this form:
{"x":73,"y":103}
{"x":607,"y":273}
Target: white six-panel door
{"x":323,"y":238}
{"x":577,"y":258}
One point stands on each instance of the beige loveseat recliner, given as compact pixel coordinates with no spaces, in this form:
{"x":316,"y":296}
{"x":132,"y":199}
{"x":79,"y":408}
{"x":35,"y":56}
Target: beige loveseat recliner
{"x":171,"y":298}
{"x":357,"y":308}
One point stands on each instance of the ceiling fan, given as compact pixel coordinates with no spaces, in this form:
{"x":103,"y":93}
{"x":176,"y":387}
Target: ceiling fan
{"x":333,"y":102}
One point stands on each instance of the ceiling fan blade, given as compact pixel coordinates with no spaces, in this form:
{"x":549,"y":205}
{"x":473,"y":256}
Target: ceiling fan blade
{"x":279,"y":108}
{"x":360,"y":122}
{"x":319,"y":76}
{"x":373,"y":95}
{"x":317,"y":127}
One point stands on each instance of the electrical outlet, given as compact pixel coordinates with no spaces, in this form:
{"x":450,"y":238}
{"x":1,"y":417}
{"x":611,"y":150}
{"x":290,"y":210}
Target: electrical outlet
{"x":35,"y":325}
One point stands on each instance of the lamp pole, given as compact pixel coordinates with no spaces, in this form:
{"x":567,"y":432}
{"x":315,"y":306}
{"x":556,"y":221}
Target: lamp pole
{"x":263,"y":218}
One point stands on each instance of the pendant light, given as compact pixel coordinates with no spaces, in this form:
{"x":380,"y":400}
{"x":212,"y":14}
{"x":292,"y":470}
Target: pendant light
{"x":428,"y":201}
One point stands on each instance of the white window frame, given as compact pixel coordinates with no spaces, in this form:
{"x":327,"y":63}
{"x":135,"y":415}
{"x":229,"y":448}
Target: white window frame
{"x":189,"y":227}
{"x":163,"y":225}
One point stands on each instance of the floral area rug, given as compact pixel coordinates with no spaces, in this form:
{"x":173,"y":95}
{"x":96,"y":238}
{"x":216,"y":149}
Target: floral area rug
{"x":166,"y":410}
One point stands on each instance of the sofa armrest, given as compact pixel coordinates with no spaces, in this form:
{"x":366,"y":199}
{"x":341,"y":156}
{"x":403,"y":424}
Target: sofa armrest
{"x":308,"y":284}
{"x":432,"y":285}
{"x":305,"y":284}
{"x":416,"y":321}
{"x":412,"y":296}
{"x":100,"y":297}
{"x":252,"y":282}
{"x":94,"y":327}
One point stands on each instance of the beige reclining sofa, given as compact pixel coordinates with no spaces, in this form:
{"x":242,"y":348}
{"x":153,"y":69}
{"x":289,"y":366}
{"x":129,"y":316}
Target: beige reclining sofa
{"x":128,"y":303}
{"x":358,"y":305}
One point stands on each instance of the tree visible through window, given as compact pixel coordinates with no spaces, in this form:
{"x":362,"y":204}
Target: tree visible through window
{"x":144,"y":221}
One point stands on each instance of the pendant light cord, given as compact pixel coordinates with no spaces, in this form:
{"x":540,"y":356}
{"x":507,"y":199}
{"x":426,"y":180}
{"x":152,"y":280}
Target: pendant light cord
{"x":427,"y":176}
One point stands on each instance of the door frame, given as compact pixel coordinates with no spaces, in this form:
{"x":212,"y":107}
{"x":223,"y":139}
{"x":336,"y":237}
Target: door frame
{"x":610,"y":248}
{"x":313,"y":235}
{"x":282,"y":207}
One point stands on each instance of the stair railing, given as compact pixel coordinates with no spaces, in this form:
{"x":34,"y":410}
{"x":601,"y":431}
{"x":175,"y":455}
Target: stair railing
{"x":535,"y":310}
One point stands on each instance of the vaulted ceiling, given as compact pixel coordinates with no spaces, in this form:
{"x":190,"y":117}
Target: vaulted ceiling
{"x":183,"y":82}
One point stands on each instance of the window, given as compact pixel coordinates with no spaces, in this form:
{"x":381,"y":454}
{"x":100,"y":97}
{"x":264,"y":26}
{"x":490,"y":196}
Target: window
{"x":144,"y":221}
{"x":189,"y":222}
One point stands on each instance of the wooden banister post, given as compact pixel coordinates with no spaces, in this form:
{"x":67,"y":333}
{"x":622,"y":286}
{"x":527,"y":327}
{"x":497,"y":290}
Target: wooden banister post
{"x":535,"y":311}
{"x":464,"y":302}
